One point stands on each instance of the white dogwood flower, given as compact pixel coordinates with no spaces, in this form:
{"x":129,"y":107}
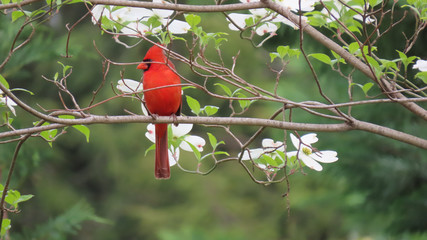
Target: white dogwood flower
{"x":334,"y":14}
{"x":420,"y":65}
{"x":306,"y":154}
{"x":129,"y":86}
{"x":182,"y":130}
{"x":9,"y":103}
{"x":135,"y":20}
{"x":239,"y":20}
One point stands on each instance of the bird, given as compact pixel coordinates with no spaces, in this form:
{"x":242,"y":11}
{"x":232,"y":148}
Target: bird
{"x":161,"y":99}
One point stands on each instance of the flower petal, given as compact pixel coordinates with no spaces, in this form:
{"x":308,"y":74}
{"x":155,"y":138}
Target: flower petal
{"x":295,"y":141}
{"x":151,"y":132}
{"x":310,"y":162}
{"x":129,"y":86}
{"x":182,"y":129}
{"x":132,"y":29}
{"x":420,"y":65}
{"x":252,"y":154}
{"x":294,"y":5}
{"x":97,"y":12}
{"x":266,"y":28}
{"x":179,"y":27}
{"x":144,"y":110}
{"x":173,"y":156}
{"x":325,"y":156}
{"x":267,"y":142}
{"x":309,"y":138}
{"x":269,"y":145}
{"x":259,"y":12}
{"x":196,"y":141}
{"x":9,"y":103}
{"x":163,"y":13}
{"x":238,"y":19}
{"x":130,"y":14}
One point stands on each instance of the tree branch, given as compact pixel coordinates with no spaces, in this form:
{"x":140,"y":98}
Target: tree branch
{"x":350,"y":58}
{"x":339,"y":127}
{"x":176,"y":7}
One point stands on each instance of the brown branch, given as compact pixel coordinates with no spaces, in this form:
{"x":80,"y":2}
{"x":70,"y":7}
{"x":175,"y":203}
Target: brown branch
{"x":176,"y":7}
{"x":351,"y":59}
{"x":339,"y":127}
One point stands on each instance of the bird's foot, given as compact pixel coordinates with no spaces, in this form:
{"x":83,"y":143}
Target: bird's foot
{"x":175,"y":120}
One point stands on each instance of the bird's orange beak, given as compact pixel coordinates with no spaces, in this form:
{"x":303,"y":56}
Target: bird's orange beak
{"x":143,"y":66}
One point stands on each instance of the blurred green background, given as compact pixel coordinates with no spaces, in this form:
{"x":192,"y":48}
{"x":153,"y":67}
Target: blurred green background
{"x":105,"y":189}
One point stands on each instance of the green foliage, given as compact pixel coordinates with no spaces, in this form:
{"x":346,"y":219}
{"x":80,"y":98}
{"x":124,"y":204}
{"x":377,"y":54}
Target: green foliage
{"x":365,"y":87}
{"x":406,"y":60}
{"x":204,"y":37}
{"x":322,"y":57}
{"x":193,"y":104}
{"x":422,"y":76}
{"x":4,"y":82}
{"x":5,"y":226}
{"x":284,"y":51}
{"x":81,"y":128}
{"x":64,"y":225}
{"x":13,"y":198}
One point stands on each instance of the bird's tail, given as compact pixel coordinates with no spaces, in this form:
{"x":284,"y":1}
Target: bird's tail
{"x":162,"y":169}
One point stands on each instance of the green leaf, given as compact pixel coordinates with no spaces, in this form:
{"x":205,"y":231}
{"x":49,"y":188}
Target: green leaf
{"x":11,"y":197}
{"x":5,"y":226}
{"x":294,"y":52}
{"x":83,"y":129}
{"x":221,"y":153}
{"x":16,"y":15}
{"x":250,"y":21}
{"x":316,"y":18}
{"x":14,"y":197}
{"x":64,"y":68}
{"x":282,"y":156}
{"x":406,"y":60}
{"x":321,"y":57}
{"x":5,"y":1}
{"x":193,"y":104}
{"x":48,"y":135}
{"x":24,"y":198}
{"x":152,"y":147}
{"x":374,"y":64}
{"x":212,"y":140}
{"x":422,"y":76}
{"x":387,"y":64}
{"x":337,"y":57}
{"x":269,"y":160}
{"x":373,"y":3}
{"x":225,"y":88}
{"x":366,"y":87}
{"x":4,"y":82}
{"x":195,"y":151}
{"x":192,"y":19}
{"x":273,"y":56}
{"x":282,"y":51}
{"x":210,"y":110}
{"x":218,"y":42}
{"x":243,"y":103}
{"x":37,"y":12}
{"x":353,"y":47}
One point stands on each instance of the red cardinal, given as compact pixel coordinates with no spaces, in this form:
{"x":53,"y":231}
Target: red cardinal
{"x":164,"y":101}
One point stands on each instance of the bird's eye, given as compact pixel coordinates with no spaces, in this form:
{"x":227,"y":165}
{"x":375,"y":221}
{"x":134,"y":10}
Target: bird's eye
{"x":147,"y":63}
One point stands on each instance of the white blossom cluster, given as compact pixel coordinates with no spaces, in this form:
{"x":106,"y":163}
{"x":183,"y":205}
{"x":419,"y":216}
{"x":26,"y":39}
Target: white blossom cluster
{"x":135,"y":21}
